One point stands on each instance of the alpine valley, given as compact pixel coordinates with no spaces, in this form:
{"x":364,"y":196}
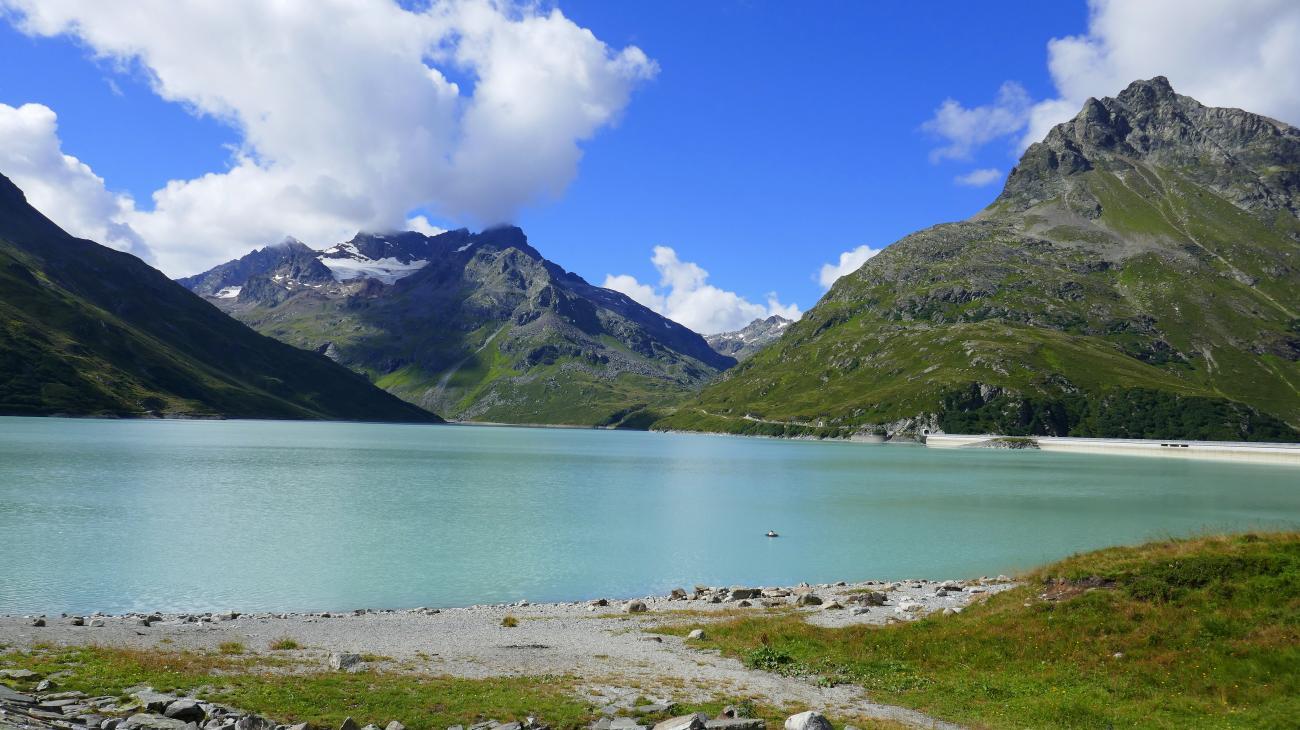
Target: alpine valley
{"x":86,"y":330}
{"x":1138,"y":276}
{"x":474,"y":326}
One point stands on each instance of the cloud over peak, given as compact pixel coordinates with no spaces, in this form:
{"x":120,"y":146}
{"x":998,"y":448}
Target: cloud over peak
{"x":1234,"y":53}
{"x":348,"y":111}
{"x":685,"y":296}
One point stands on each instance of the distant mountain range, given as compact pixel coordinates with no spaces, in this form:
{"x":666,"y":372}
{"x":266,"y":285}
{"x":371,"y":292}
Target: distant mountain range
{"x":475,"y":326}
{"x":1139,"y":275}
{"x":756,"y":335}
{"x":86,"y":330}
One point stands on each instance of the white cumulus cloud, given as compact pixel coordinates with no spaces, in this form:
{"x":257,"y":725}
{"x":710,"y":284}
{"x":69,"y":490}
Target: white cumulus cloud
{"x":979,"y":178}
{"x":685,"y":296}
{"x":349,"y":111}
{"x":850,"y":261}
{"x":1234,"y":53}
{"x":965,"y":129}
{"x":60,"y":184}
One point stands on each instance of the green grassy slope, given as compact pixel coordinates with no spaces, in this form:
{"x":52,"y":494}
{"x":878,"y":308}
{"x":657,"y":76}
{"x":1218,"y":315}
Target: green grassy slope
{"x":85,"y":330}
{"x":1133,"y":288}
{"x":1198,"y":633}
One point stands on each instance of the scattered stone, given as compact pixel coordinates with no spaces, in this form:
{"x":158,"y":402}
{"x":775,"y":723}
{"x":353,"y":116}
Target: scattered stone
{"x":601,"y":724}
{"x":653,"y":709}
{"x":678,"y":594}
{"x":153,"y":701}
{"x":808,"y":599}
{"x":44,"y":685}
{"x":394,"y":725}
{"x":349,"y":724}
{"x":77,"y":621}
{"x":740,"y":592}
{"x":344,"y":661}
{"x":600,"y":602}
{"x":8,"y":695}
{"x":185,"y":709}
{"x":810,"y":720}
{"x":744,"y":604}
{"x":909,"y":607}
{"x":685,"y":722}
{"x":299,"y":726}
{"x":144,"y":721}
{"x":859,"y":611}
{"x":142,"y":621}
{"x":696,"y":635}
{"x":736,"y":723}
{"x":833,"y":606}
{"x":635,"y":606}
{"x":97,"y":623}
{"x":38,"y":622}
{"x":110,"y":724}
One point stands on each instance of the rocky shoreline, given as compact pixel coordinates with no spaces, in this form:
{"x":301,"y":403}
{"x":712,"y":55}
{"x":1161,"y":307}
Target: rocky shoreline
{"x":909,"y":599}
{"x":604,"y":641}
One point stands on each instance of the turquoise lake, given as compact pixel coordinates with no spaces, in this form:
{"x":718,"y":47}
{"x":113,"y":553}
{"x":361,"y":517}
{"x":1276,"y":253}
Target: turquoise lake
{"x":263,"y":515}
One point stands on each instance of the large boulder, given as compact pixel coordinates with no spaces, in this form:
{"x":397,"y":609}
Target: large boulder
{"x":343,"y":661}
{"x":146,"y":721}
{"x":185,"y":709}
{"x":810,"y":720}
{"x":635,"y":606}
{"x":808,"y":599}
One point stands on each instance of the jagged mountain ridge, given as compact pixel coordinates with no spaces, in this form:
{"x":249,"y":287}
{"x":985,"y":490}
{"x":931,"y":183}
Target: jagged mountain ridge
{"x":86,"y":330}
{"x":744,"y":342}
{"x":1139,"y":275}
{"x":478,"y":325}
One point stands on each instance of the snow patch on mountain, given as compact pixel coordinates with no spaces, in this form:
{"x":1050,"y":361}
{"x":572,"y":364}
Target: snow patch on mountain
{"x":387,"y":270}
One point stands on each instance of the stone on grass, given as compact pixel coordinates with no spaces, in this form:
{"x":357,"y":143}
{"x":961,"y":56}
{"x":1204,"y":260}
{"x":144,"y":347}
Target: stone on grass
{"x":736,"y":723}
{"x":622,"y":723}
{"x":395,"y":725}
{"x":810,"y":720}
{"x":153,"y":701}
{"x":636,"y":606}
{"x":349,"y":724}
{"x":18,"y":698}
{"x":145,"y":721}
{"x":344,"y":661}
{"x":696,"y":635}
{"x":184,"y":709}
{"x":684,"y":722}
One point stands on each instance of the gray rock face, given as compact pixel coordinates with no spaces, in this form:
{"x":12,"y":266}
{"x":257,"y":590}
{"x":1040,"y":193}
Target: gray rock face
{"x":810,"y":720}
{"x":1230,"y":151}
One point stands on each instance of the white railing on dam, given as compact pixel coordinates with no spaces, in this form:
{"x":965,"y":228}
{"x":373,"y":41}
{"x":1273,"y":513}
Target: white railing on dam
{"x":1272,"y":453}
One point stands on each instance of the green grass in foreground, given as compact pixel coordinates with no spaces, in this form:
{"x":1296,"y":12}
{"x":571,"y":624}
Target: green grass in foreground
{"x":289,"y":692}
{"x":1207,"y":632}
{"x":273,"y":688}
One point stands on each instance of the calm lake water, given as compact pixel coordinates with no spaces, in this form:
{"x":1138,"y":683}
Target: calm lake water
{"x":250,"y":515}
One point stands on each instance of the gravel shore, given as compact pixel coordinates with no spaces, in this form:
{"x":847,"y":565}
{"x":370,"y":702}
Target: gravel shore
{"x":606,"y":645}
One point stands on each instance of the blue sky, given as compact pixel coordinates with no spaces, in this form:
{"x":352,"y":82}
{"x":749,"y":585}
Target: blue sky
{"x":757,"y":140}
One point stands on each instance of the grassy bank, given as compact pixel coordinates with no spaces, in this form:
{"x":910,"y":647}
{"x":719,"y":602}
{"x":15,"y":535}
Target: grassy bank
{"x":1189,"y":633}
{"x":290,"y":691}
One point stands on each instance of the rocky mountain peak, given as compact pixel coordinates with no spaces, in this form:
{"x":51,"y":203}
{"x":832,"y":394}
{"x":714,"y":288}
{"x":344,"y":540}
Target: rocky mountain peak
{"x":1249,"y":159}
